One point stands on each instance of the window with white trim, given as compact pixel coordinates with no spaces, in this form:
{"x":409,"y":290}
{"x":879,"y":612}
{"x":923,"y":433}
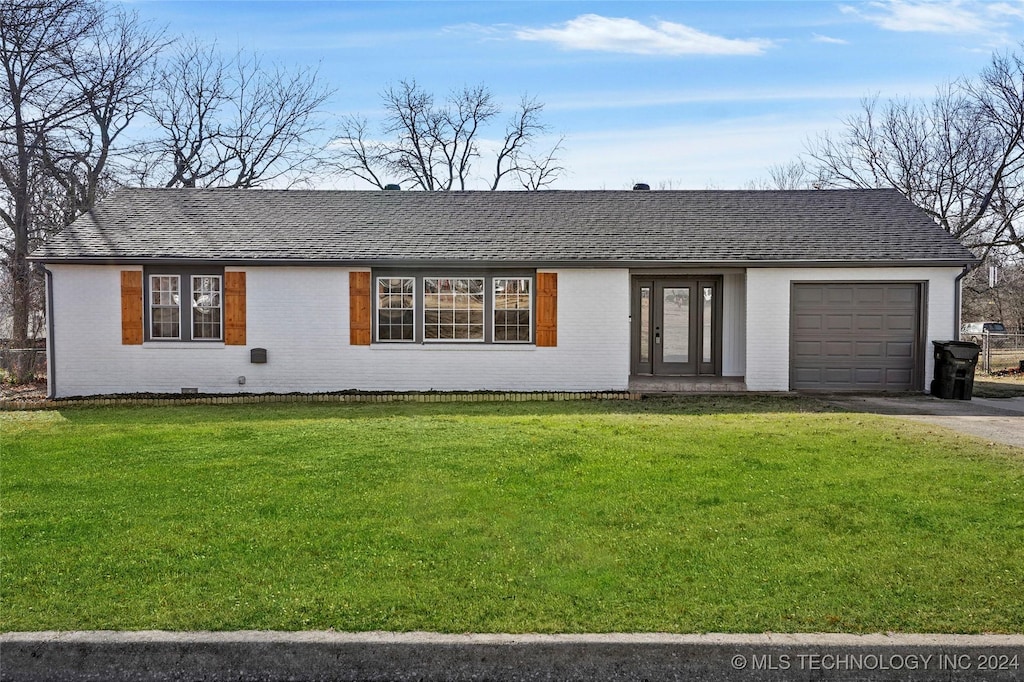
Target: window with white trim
{"x":165,"y":306}
{"x":513,"y":308}
{"x":396,"y":309}
{"x":453,"y":309}
{"x":207,"y":311}
{"x":184,"y":303}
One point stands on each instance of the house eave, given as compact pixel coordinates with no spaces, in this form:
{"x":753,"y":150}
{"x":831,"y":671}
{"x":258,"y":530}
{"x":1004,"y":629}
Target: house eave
{"x":478,"y":263}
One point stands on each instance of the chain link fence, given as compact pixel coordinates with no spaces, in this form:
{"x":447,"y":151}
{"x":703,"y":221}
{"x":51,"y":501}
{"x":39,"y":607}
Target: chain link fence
{"x":1000,"y":352}
{"x":25,"y":363}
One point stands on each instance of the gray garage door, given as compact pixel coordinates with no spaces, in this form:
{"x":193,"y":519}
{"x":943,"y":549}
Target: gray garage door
{"x":856,"y":336}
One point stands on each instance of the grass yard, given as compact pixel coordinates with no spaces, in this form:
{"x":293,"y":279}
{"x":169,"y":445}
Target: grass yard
{"x":994,"y":386}
{"x":723,"y":514}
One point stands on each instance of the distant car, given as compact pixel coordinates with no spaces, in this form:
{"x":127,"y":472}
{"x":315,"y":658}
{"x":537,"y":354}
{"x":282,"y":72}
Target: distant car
{"x":975,"y":331}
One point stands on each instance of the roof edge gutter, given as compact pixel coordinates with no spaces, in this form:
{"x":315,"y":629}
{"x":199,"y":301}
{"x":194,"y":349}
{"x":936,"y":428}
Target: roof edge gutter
{"x":490,"y":263}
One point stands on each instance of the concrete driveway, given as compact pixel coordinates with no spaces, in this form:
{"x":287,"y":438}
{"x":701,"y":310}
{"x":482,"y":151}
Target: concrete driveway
{"x":1000,"y":420}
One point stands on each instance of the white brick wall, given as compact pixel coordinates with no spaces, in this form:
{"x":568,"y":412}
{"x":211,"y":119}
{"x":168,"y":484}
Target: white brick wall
{"x":300,"y":315}
{"x":768,"y":305}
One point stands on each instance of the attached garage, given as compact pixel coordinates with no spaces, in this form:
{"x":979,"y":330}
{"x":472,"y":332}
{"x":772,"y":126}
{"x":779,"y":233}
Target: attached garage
{"x":857,"y":336}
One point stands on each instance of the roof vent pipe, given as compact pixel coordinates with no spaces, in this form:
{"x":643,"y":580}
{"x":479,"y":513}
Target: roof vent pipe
{"x":392,"y":187}
{"x":641,"y":187}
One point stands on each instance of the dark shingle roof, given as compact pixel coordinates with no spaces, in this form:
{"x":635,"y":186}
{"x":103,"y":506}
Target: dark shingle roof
{"x":567,"y":227}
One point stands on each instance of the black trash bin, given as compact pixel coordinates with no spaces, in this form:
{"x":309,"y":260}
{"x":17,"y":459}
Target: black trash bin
{"x":954,"y":369}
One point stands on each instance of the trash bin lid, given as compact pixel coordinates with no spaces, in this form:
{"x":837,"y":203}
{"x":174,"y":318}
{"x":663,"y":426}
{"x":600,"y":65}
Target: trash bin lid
{"x":961,"y":350}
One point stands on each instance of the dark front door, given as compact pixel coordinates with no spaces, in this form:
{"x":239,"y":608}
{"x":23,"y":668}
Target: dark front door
{"x":676,"y":326}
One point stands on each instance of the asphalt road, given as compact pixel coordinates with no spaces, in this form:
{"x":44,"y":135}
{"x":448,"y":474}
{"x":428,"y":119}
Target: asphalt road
{"x":321,"y":656}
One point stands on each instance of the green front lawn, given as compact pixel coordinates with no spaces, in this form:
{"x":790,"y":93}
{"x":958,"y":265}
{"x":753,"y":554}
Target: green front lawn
{"x":704,"y":514}
{"x":995,"y":386}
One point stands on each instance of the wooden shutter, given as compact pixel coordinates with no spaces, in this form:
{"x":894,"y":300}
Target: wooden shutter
{"x":234,"y":308}
{"x":547,"y":309}
{"x":359,"y":308}
{"x":131,"y":307}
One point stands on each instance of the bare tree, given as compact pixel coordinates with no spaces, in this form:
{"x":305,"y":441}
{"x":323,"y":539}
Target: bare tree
{"x":434,"y":147}
{"x":999,"y":97}
{"x":72,"y":83}
{"x":785,"y":176}
{"x":113,"y":73}
{"x":514,"y":158}
{"x":960,"y":157}
{"x":36,"y":100}
{"x":1001,"y":300}
{"x":231,"y":122}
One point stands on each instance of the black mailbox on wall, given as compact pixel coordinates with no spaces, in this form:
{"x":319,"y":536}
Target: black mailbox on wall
{"x":258,"y":356}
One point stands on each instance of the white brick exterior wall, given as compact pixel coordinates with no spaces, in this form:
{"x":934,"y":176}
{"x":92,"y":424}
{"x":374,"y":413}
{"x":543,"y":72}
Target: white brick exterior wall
{"x":768,"y":306}
{"x":300,"y":315}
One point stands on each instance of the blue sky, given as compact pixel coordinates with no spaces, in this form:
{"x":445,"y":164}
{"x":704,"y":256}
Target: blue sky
{"x":682,"y":94}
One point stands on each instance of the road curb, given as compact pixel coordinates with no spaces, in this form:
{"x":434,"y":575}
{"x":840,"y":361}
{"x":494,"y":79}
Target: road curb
{"x":314,"y":656}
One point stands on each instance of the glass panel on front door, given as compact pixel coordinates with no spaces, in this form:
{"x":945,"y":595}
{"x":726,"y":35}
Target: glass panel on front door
{"x":707,"y":317}
{"x":645,"y":324}
{"x":675,"y":325}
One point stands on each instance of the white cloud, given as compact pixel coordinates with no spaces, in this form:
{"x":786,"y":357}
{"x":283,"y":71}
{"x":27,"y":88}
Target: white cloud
{"x":926,"y":17}
{"x":592,"y":32}
{"x":1006,"y":9}
{"x":818,"y":38}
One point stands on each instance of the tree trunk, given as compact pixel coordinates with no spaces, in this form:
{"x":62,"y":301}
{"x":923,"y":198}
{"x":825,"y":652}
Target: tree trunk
{"x":21,"y":363}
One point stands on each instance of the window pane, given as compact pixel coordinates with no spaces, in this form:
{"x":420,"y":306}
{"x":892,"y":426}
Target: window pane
{"x":645,"y":324}
{"x":512,"y":309}
{"x":395,"y":312}
{"x":706,"y":340}
{"x":166,"y":323}
{"x":206,"y":308}
{"x":453,"y":309}
{"x":676,"y":324}
{"x":165,"y":310}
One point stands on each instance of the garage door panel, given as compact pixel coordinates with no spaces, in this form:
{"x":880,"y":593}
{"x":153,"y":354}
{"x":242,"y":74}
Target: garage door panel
{"x":839,"y":296}
{"x":809,"y":296}
{"x":900,"y":322}
{"x":899,"y":349}
{"x":838,"y":322}
{"x":807,"y":349}
{"x":868,"y":349}
{"x":868,"y":375}
{"x":901,"y":296}
{"x":837,"y":375}
{"x":840,"y":349}
{"x":855,"y":336}
{"x":899,"y":377}
{"x":807,"y":375}
{"x":869,"y":323}
{"x":808,"y":321}
{"x":872,"y":296}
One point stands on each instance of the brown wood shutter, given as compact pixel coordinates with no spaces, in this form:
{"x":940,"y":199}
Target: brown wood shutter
{"x":547,"y":309}
{"x":359,"y":308}
{"x":234,"y":308}
{"x":131,"y":307}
